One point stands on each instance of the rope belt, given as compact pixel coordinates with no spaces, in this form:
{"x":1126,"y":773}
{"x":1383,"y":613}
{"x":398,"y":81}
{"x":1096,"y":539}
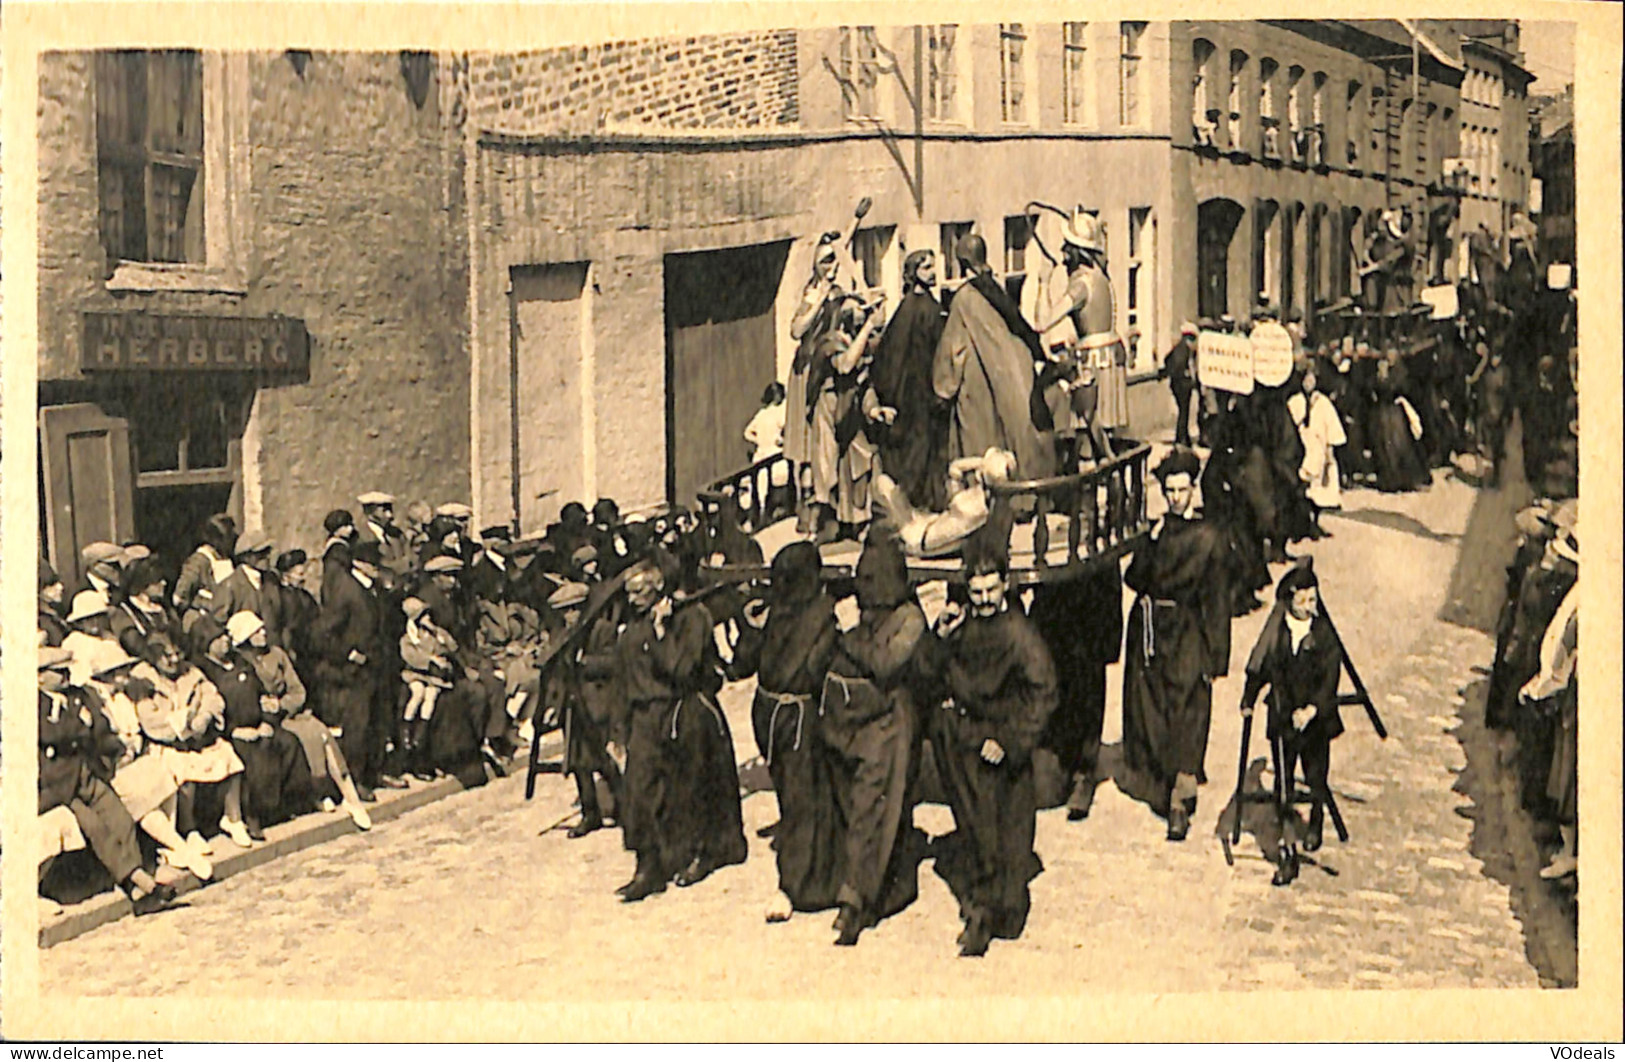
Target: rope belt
{"x":1148,"y":621}
{"x":705,"y":699}
{"x":781,"y":700}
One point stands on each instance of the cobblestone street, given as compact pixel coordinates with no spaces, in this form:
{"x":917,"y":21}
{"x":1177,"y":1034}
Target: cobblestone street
{"x":465,"y":895}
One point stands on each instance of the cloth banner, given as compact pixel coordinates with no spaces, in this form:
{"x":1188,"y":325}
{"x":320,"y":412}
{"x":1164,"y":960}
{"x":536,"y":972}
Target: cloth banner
{"x":1224,"y":362}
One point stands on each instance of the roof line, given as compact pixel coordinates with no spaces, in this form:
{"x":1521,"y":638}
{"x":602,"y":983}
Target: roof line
{"x":1433,"y":49}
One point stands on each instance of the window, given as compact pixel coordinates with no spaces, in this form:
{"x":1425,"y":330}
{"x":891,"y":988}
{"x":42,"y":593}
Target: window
{"x":1141,"y":299}
{"x":1013,"y":71}
{"x":1018,"y":234}
{"x":1266,"y":251}
{"x":1128,"y":77}
{"x":860,"y":73}
{"x":1204,"y":116}
{"x":1353,"y":117}
{"x":149,"y":147}
{"x":1297,"y":140}
{"x":1376,"y":127}
{"x":1267,"y":120}
{"x":942,"y":73}
{"x":1238,"y":64}
{"x":1316,"y":154}
{"x":951,"y":232}
{"x":869,"y":249}
{"x":1216,"y":224}
{"x":1074,"y":72}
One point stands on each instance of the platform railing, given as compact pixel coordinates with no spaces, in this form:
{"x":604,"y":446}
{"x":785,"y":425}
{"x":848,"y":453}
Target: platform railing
{"x":1103,"y":509}
{"x":766,"y":492}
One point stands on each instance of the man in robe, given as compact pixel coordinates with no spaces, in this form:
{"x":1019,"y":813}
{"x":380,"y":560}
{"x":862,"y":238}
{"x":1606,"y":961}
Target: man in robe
{"x":787,"y":642}
{"x":985,"y":367}
{"x":682,"y":815}
{"x":1299,"y":659}
{"x":1178,"y":642}
{"x":1002,"y":689}
{"x":913,"y":447}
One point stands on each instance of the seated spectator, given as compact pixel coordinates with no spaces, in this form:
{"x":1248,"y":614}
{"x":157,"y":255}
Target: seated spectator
{"x":89,"y":634}
{"x":144,"y":611}
{"x":101,"y":563}
{"x":184,"y":716}
{"x":142,"y":776}
{"x":276,"y":779}
{"x":426,"y":658}
{"x":52,"y":625}
{"x":765,"y":432}
{"x":281,"y":681}
{"x":72,"y":775}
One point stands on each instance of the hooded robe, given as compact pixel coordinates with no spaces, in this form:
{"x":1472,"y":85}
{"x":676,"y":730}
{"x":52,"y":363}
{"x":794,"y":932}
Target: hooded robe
{"x":913,"y":448}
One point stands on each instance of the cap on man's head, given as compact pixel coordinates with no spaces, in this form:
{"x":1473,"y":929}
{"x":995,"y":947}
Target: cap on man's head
{"x":252,"y":542}
{"x":290,"y":560}
{"x":583,"y":554}
{"x":134,"y":551}
{"x":498,"y":531}
{"x":337,"y":519}
{"x":1189,"y":329}
{"x":442,"y":565}
{"x":101,"y":553}
{"x":455,"y":510}
{"x":376,"y":497}
{"x":54,"y":658}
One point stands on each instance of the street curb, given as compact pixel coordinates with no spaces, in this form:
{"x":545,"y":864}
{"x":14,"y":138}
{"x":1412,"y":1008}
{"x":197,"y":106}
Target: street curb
{"x":281,"y":840}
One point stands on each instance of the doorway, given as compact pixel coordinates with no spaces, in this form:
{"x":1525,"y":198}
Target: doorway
{"x":1216,"y":223}
{"x":721,"y":352}
{"x":548,"y":381}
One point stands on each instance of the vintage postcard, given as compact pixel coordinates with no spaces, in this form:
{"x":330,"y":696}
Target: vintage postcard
{"x":1018,"y":521}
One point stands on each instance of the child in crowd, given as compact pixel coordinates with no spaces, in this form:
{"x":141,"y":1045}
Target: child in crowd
{"x":426,"y":654}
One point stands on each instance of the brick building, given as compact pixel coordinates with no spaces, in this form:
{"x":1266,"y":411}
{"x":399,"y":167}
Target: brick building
{"x":308,"y":208}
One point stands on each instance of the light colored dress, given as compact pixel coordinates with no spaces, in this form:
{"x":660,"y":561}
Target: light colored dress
{"x":1321,"y":430}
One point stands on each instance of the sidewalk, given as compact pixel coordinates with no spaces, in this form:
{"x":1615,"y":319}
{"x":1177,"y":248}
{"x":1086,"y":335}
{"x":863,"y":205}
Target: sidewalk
{"x":281,"y":840}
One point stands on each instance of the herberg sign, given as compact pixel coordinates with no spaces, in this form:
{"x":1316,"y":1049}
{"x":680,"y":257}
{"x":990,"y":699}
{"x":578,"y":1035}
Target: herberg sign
{"x":161,"y":343}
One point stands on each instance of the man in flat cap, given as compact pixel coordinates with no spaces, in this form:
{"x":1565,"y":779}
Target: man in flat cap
{"x":378,"y":525}
{"x":250,"y":587}
{"x":100,"y":563}
{"x":1179,"y":368}
{"x":1178,"y":642}
{"x":1299,"y":660}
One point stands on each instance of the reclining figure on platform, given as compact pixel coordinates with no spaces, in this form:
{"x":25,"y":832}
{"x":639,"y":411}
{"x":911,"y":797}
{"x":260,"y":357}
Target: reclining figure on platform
{"x":930,"y":534}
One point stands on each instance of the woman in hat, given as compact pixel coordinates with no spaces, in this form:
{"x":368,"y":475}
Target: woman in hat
{"x":298,"y":607}
{"x":73,"y":773}
{"x":144,"y":610}
{"x":143,"y":777}
{"x":89,"y":636}
{"x":52,"y":625}
{"x":276,"y":780}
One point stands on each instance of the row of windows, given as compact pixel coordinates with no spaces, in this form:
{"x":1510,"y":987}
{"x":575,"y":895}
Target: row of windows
{"x":865,"y":65}
{"x":1481,"y":87}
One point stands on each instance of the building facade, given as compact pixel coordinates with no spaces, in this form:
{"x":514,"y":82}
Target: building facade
{"x":1494,"y":124}
{"x":252,"y":291}
{"x":538,"y":277}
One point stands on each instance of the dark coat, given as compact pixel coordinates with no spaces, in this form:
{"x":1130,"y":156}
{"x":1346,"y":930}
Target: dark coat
{"x":1302,"y":679}
{"x":75,"y":740}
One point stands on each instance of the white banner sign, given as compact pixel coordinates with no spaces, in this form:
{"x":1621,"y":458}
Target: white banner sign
{"x":1272,"y":354}
{"x":1442,"y":297}
{"x":1225,"y":362}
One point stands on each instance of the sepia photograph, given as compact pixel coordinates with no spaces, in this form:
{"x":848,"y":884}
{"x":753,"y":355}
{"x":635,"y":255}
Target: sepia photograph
{"x":868,"y":509}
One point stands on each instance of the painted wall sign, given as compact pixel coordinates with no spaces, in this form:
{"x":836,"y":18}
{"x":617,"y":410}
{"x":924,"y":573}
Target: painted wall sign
{"x":161,"y":343}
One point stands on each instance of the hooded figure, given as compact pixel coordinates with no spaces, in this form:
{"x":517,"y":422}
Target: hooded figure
{"x":870,"y":724}
{"x":787,"y":642}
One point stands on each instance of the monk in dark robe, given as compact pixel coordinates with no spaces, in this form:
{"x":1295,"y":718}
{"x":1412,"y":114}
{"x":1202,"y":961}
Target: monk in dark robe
{"x":787,"y":643}
{"x":913,"y":447}
{"x":1002,"y":690}
{"x":1178,"y":642}
{"x":1299,"y":659}
{"x":1081,"y":620}
{"x":682,"y":815}
{"x":869,"y":725}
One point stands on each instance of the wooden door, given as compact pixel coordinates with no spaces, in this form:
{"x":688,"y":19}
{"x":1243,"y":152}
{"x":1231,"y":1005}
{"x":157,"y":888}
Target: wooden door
{"x":550,"y":459}
{"x":88,"y":482}
{"x":721,"y":352}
